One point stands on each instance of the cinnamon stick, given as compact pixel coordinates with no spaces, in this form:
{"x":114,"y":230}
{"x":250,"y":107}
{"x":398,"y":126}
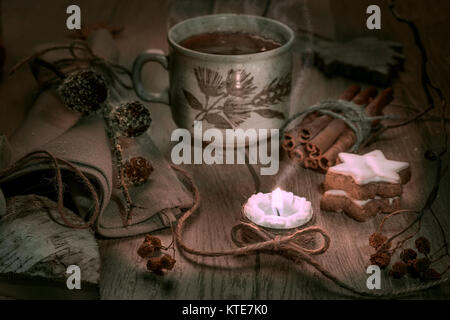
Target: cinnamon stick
{"x":310,"y":163}
{"x":291,"y":137}
{"x":326,"y":138}
{"x":376,"y":106}
{"x":298,"y":153}
{"x":310,"y":130}
{"x":348,"y":138}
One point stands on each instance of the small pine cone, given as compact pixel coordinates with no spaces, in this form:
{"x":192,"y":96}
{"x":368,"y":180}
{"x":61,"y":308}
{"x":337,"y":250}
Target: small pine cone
{"x":398,"y":270}
{"x":131,"y":119}
{"x":407,"y":255}
{"x":431,"y":275}
{"x":83,"y":91}
{"x":136,"y":171}
{"x":420,"y":265}
{"x":167,"y":262}
{"x":377,"y":239}
{"x":381,"y":258}
{"x":423,"y":245}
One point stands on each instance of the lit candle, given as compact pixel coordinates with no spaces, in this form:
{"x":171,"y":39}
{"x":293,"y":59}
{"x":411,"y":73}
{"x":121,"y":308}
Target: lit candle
{"x":278,"y":210}
{"x":277,"y":201}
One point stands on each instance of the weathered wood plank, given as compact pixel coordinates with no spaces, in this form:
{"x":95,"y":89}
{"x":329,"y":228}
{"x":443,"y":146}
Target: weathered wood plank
{"x":224,"y":188}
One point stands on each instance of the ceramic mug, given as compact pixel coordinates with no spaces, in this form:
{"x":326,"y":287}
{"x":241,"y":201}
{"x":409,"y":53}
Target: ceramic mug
{"x":224,"y":91}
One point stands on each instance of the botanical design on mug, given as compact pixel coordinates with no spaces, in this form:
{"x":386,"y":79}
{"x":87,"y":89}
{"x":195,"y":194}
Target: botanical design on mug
{"x":230,"y":100}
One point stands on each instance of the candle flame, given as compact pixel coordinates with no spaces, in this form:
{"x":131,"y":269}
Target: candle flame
{"x":277,"y":201}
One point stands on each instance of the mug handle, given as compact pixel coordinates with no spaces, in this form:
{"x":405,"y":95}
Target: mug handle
{"x":155,"y":55}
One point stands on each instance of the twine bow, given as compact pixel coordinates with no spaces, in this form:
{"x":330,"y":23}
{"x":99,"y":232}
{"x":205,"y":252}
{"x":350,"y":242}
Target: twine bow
{"x":252,"y":240}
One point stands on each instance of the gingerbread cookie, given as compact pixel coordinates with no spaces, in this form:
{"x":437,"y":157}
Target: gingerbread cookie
{"x":360,"y":210}
{"x":366,"y":176}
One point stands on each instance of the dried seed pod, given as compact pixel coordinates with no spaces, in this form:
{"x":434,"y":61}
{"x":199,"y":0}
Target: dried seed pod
{"x":376,"y":240}
{"x":155,"y":241}
{"x":167,"y":262}
{"x":131,"y":119}
{"x":136,"y":171}
{"x":423,"y":245}
{"x":154,"y":264}
{"x":407,"y":255}
{"x":83,"y":91}
{"x":151,"y":246}
{"x":398,"y":270}
{"x":381,"y":258}
{"x":146,"y":250}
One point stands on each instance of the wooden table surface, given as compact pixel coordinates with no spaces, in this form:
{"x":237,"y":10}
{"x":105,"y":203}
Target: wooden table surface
{"x":224,"y":188}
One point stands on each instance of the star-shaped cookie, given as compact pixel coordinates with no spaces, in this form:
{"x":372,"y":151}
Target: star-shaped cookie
{"x":370,"y":167}
{"x":369,"y":175}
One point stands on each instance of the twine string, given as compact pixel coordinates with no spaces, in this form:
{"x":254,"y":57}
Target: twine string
{"x":79,"y":51}
{"x":251,"y":239}
{"x":42,"y":155}
{"x":353,"y":115}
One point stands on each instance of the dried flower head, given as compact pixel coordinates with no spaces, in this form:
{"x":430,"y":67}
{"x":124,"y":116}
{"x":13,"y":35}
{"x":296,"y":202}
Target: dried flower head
{"x":83,"y":91}
{"x":131,"y":119}
{"x":146,"y":250}
{"x":377,"y":239}
{"x":154,"y":264}
{"x":137,"y":171}
{"x":398,"y":270}
{"x":423,"y":245}
{"x":167,"y":262}
{"x":151,"y":246}
{"x":155,"y":241}
{"x":381,"y":258}
{"x":407,"y":255}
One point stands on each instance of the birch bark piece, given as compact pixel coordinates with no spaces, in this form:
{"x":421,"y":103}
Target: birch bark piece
{"x":36,"y":249}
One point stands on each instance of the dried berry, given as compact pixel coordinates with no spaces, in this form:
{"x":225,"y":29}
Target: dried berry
{"x":420,"y":265}
{"x":154,"y":264}
{"x":431,"y":275}
{"x":83,"y":91}
{"x":155,"y":241}
{"x":167,"y":262}
{"x":398,"y":270}
{"x":423,"y":245}
{"x":146,"y":250}
{"x":136,"y":171}
{"x":408,"y":255}
{"x":381,"y":258}
{"x":151,"y":246}
{"x":131,"y":119}
{"x":376,"y":240}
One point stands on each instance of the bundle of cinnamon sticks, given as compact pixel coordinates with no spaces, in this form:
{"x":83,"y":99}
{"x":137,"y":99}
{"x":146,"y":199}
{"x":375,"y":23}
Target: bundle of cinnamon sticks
{"x":317,"y":140}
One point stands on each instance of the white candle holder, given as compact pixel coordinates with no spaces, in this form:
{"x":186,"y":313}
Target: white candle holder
{"x":288,"y":213}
